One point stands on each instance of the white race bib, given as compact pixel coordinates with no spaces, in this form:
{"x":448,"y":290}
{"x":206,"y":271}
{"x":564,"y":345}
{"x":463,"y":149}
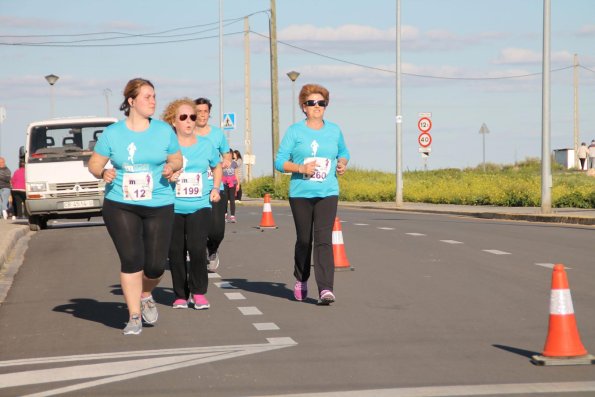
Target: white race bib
{"x":323,"y":167}
{"x":189,"y":184}
{"x":137,"y":186}
{"x":210,"y":174}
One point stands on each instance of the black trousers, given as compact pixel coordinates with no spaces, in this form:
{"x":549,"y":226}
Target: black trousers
{"x":18,"y":202}
{"x":217,"y":228}
{"x":314,"y":219}
{"x":189,"y":233}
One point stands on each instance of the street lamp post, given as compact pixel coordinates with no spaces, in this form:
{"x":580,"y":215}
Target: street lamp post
{"x":107,"y":92}
{"x":293,"y":75}
{"x":51,"y":79}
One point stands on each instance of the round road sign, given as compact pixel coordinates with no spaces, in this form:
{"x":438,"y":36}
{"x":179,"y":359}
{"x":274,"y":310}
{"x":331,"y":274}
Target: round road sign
{"x":424,"y":124}
{"x":424,"y":139}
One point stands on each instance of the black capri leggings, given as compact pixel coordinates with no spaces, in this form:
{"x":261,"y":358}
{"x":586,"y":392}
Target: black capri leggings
{"x":141,"y":235}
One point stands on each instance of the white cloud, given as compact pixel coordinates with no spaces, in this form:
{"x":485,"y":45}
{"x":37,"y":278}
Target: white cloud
{"x":526,"y":56}
{"x":587,"y":30}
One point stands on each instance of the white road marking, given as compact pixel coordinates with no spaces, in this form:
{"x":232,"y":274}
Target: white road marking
{"x":451,"y":241}
{"x":234,"y":296}
{"x":386,"y":228}
{"x":550,"y":265}
{"x":473,"y":390}
{"x":225,"y":285}
{"x":266,"y":326}
{"x":214,"y":275}
{"x":415,"y":234}
{"x":361,"y":224}
{"x":124,"y":365}
{"x":497,"y":252}
{"x":250,"y":311}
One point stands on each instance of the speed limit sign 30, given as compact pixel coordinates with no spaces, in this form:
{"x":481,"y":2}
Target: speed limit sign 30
{"x":424,"y":139}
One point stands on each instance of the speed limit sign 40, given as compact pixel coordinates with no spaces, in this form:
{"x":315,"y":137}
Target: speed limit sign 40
{"x":424,"y":139}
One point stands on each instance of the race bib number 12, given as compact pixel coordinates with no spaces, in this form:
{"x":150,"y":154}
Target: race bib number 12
{"x":137,"y":186}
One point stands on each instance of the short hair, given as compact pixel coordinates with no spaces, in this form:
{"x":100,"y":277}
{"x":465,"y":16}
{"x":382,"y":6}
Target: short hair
{"x":169,"y":114}
{"x":203,"y":101}
{"x":310,"y":89}
{"x":132,"y":90}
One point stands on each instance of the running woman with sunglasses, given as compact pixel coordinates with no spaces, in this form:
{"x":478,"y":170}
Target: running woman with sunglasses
{"x":314,"y":152}
{"x":194,"y":193}
{"x":217,"y":138}
{"x":138,"y":208}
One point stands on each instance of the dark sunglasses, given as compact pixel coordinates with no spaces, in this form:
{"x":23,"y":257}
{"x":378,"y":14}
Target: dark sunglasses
{"x":183,"y":117}
{"x":311,"y":102}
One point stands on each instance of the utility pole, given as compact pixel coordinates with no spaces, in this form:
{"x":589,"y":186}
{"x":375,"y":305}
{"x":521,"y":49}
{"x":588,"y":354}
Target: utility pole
{"x":546,"y":166}
{"x":483,"y":131}
{"x":576,"y":130}
{"x":399,"y":117}
{"x":274,"y":87}
{"x":247,"y":126}
{"x":107,"y":92}
{"x":221,"y":67}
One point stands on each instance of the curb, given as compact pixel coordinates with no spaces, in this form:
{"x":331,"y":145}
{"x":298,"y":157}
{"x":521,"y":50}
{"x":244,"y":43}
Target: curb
{"x":9,"y":241}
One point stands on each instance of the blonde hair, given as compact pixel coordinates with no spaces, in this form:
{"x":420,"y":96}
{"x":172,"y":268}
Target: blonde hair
{"x":310,"y":89}
{"x":169,"y":114}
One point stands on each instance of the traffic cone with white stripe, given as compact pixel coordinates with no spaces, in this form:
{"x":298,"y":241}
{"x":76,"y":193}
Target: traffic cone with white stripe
{"x":267,"y":221}
{"x":341,"y":261}
{"x":563,"y":345}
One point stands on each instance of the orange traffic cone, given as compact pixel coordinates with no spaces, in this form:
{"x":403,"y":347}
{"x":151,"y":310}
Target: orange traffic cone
{"x":563,"y":345}
{"x":341,"y":261}
{"x":267,"y":221}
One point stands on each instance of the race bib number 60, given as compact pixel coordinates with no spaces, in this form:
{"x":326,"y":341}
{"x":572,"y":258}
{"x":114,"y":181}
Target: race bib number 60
{"x":137,"y":186}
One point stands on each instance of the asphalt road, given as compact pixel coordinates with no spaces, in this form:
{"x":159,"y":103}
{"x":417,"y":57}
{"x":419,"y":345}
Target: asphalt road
{"x":436,"y":306}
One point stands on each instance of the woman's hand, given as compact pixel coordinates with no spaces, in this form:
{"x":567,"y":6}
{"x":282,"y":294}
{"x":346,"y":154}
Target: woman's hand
{"x":341,"y":167}
{"x":214,"y":196}
{"x":308,"y":168}
{"x":108,"y":175}
{"x":168,"y":171}
{"x":174,"y":176}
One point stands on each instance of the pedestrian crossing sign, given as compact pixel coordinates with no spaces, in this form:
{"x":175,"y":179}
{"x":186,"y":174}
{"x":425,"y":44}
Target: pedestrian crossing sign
{"x":229,"y":121}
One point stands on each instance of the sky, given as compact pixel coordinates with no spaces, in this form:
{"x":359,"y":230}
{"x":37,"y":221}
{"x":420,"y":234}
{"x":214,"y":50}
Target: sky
{"x":467,"y":62}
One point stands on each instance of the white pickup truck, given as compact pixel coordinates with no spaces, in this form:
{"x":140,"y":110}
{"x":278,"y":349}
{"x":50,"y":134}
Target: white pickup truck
{"x":58,"y":184}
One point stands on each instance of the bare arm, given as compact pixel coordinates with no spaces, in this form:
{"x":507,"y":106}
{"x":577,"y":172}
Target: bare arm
{"x":97,"y":168}
{"x":173,"y":164}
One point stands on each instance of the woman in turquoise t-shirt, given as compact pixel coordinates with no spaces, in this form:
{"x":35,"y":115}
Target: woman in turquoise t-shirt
{"x":314,"y":151}
{"x":138,"y":207}
{"x":192,"y":206}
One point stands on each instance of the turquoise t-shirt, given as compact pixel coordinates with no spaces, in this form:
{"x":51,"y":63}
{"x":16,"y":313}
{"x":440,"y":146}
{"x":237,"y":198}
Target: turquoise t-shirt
{"x":138,"y":158}
{"x":217,"y":138}
{"x":193,"y":187}
{"x":302,"y":144}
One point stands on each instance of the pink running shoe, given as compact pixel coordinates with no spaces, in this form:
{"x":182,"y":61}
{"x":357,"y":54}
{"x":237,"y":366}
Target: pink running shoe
{"x":200,"y":302}
{"x":180,"y":304}
{"x":326,"y":297}
{"x":300,"y":290}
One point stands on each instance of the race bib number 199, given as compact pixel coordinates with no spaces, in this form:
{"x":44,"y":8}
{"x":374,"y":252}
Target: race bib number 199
{"x":189,"y":184}
{"x":137,"y":186}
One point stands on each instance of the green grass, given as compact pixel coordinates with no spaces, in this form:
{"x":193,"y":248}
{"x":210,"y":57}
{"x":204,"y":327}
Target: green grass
{"x":501,"y":185}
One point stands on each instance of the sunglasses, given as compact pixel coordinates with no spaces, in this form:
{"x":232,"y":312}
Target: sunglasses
{"x":183,"y":117}
{"x":311,"y":102}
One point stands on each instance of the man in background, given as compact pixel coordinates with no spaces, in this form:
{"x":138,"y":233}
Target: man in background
{"x":5,"y":176}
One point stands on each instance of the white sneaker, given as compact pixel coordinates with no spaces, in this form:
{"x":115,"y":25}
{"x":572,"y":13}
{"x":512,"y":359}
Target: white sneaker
{"x":213,"y":262}
{"x":4,"y":214}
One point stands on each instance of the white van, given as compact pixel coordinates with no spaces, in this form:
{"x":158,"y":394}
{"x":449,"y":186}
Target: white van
{"x":58,"y":184}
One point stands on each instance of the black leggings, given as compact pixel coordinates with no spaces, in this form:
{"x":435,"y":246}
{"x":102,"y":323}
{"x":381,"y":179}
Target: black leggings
{"x":18,"y":202}
{"x":141,"y":235}
{"x":189,"y":232}
{"x":230,"y":192}
{"x":314,"y":219}
{"x":217,"y":228}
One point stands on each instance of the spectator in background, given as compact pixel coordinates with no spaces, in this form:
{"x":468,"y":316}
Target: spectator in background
{"x":237,"y":156}
{"x":5,"y":175}
{"x":592,"y":154}
{"x":230,"y":182}
{"x":583,"y":151}
{"x":18,"y":191}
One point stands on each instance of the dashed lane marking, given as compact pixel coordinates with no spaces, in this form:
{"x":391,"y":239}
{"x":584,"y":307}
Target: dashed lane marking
{"x":266,"y":326}
{"x":214,"y":275}
{"x":234,"y":296}
{"x":250,"y":311}
{"x":496,"y":252}
{"x":451,"y":242}
{"x":120,"y":366}
{"x":550,"y":265}
{"x":361,"y":224}
{"x":225,"y":285}
{"x":415,"y":234}
{"x":386,"y":228}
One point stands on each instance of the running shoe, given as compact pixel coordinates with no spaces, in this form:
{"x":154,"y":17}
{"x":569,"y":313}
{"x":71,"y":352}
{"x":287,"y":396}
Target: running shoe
{"x":232,"y":219}
{"x":300,"y":290}
{"x":134,"y":326}
{"x":326,"y":297}
{"x":200,"y":302}
{"x":148,"y":309}
{"x":213,"y":262}
{"x":180,"y":304}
